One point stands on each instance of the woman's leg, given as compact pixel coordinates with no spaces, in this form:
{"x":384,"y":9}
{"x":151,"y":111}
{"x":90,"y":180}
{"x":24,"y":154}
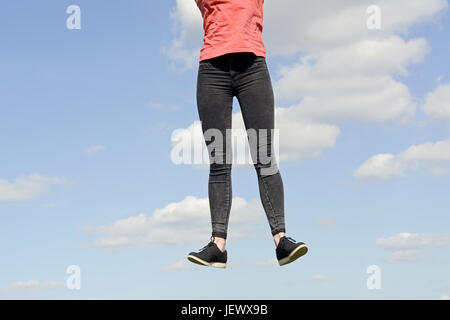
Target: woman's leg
{"x":255,"y":94}
{"x":214,"y":102}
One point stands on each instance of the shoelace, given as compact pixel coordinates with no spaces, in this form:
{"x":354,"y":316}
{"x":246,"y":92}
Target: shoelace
{"x":211,"y":242}
{"x":290,"y":239}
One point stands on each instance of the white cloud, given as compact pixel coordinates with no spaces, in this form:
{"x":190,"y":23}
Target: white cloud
{"x":94,"y":149}
{"x":114,"y":241}
{"x":432,"y":157}
{"x":158,"y":127}
{"x":187,"y":24}
{"x":409,"y":255}
{"x":314,"y":26}
{"x":352,"y":82}
{"x":156,"y":105}
{"x":271,"y":262}
{"x":404,"y":240}
{"x":28,"y":187}
{"x":266,"y":263}
{"x":180,"y":265}
{"x":437,"y":104}
{"x":24,"y":285}
{"x":160,"y":106}
{"x":326,"y":221}
{"x":300,"y":138}
{"x":321,"y":277}
{"x":410,"y":247}
{"x":380,"y":166}
{"x":187,"y":221}
{"x":444,"y":298}
{"x":34,"y":285}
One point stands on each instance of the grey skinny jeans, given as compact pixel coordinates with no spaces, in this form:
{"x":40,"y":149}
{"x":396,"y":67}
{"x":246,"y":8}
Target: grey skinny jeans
{"x":244,"y":75}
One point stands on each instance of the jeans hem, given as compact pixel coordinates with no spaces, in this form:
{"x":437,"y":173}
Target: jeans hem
{"x":219,"y":234}
{"x":275,"y":231}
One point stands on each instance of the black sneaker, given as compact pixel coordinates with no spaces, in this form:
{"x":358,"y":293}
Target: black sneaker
{"x":210,"y":255}
{"x":288,"y":250}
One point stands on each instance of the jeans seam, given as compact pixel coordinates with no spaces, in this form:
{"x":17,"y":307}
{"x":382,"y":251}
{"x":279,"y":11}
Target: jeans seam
{"x":274,"y":219}
{"x":227,"y":201}
{"x":227,"y":215}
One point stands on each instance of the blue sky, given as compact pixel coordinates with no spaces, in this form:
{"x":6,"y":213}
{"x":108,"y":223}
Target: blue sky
{"x":87,"y":179}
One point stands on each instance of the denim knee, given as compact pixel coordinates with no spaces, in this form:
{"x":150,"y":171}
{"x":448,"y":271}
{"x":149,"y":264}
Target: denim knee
{"x":266,"y":169}
{"x":216,"y":169}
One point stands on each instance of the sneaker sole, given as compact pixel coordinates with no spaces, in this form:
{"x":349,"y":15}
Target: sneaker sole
{"x":205,"y":263}
{"x":294,"y":255}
